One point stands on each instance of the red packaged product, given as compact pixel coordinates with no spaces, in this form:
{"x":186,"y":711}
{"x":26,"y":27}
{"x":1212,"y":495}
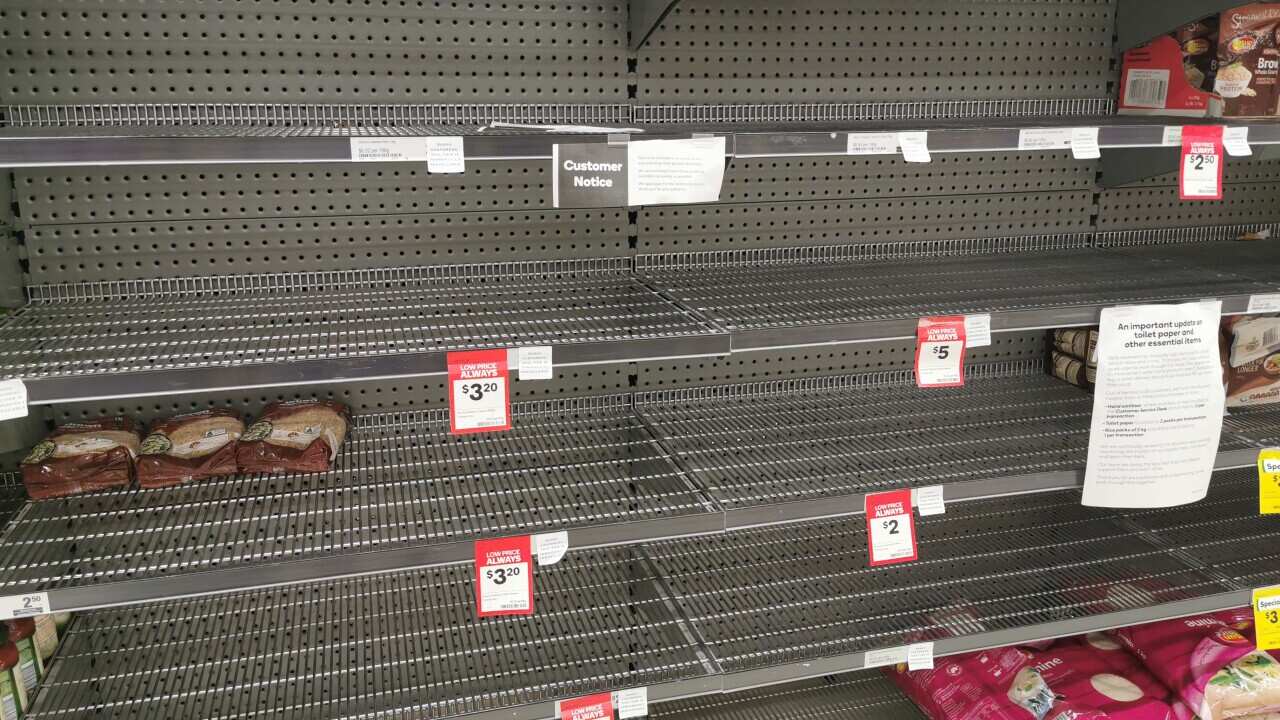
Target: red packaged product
{"x":294,"y":436}
{"x":190,"y":447}
{"x":82,"y":457}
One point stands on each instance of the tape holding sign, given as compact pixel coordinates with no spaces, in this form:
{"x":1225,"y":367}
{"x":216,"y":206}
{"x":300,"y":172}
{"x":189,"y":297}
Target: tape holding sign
{"x":504,"y":576}
{"x":940,"y":343}
{"x":479,"y":391}
{"x":891,"y":529}
{"x":591,"y":707}
{"x":1200,"y":173}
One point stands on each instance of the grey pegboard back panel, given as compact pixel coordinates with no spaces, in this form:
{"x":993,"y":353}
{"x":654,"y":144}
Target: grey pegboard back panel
{"x":820,"y":361}
{"x":86,"y":252}
{"x":184,"y":192}
{"x":1150,"y":207}
{"x":745,"y":51}
{"x":840,"y":177}
{"x":281,"y":51}
{"x":783,"y":224}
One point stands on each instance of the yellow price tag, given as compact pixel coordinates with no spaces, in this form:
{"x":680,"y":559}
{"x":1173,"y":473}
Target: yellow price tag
{"x":1266,"y":617}
{"x":1269,"y":481}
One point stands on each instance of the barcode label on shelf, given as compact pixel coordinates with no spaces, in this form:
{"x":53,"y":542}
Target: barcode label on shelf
{"x":20,"y":606}
{"x":504,"y":576}
{"x":479,"y":391}
{"x":1044,"y":139}
{"x":977,"y":330}
{"x":631,"y":703}
{"x":446,"y":155}
{"x":1146,"y":88}
{"x":882,"y":143}
{"x":886,"y":656}
{"x":915,"y":146}
{"x":389,"y":149}
{"x":1200,"y":174}
{"x":891,"y":531}
{"x":549,"y":548}
{"x":1235,"y":140}
{"x":1269,"y":302}
{"x":930,"y":501}
{"x":940,"y":343}
{"x":1269,"y":481}
{"x":1172,"y":136}
{"x":1266,"y":617}
{"x":13,"y":399}
{"x":920,"y":656}
{"x":591,"y":707}
{"x":534,"y":363}
{"x":1084,"y":143}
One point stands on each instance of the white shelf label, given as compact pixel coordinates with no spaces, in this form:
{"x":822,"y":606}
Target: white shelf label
{"x":977,"y":330}
{"x":388,"y":149}
{"x":534,"y":363}
{"x":891,"y":536}
{"x":1044,"y":139}
{"x":13,"y":399}
{"x":930,"y":501}
{"x":662,"y":172}
{"x":479,"y":391}
{"x":881,"y":658}
{"x":504,"y":576}
{"x":1172,"y":136}
{"x":1084,"y":143}
{"x":21,"y":606}
{"x":550,"y":547}
{"x":915,"y":146}
{"x":1267,"y":303}
{"x":882,"y":143}
{"x":1236,"y":141}
{"x":920,"y":656}
{"x":445,"y":155}
{"x":631,"y":703}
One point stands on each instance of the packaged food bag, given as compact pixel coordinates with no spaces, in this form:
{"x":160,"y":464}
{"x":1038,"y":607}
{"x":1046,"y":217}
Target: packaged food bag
{"x":998,"y":684}
{"x":190,"y":447}
{"x":294,"y":436}
{"x":1253,"y":359}
{"x":1095,"y":676}
{"x":82,"y":457}
{"x":1210,"y":662}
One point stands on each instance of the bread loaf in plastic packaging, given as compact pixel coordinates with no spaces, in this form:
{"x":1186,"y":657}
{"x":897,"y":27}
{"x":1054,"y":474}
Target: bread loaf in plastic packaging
{"x":190,"y":447}
{"x":82,"y":457}
{"x":294,"y":436}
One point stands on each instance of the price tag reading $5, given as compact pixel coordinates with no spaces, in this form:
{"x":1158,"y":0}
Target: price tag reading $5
{"x":940,"y":343}
{"x":891,"y":531}
{"x":504,"y":576}
{"x":479,"y":391}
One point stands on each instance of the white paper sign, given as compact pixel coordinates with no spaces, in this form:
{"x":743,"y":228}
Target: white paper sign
{"x":1084,"y":143}
{"x":388,"y":149}
{"x":1157,"y":406}
{"x":930,"y":501}
{"x":21,"y":606}
{"x":1044,"y":139}
{"x":661,"y":172}
{"x":1236,"y":141}
{"x":549,"y":548}
{"x":920,"y":656}
{"x":977,"y":330}
{"x":534,"y":363}
{"x":881,"y":658}
{"x":631,"y":703}
{"x":915,"y":146}
{"x":882,"y":143}
{"x":1172,"y":136}
{"x":1264,"y":303}
{"x":445,"y":155}
{"x":13,"y":399}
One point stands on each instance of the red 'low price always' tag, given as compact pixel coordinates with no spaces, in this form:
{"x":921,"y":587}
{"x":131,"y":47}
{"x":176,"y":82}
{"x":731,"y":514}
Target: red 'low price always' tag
{"x":1200,"y":174}
{"x":940,"y":345}
{"x":591,"y":707}
{"x":891,"y":529}
{"x":504,"y":576}
{"x":479,"y":391}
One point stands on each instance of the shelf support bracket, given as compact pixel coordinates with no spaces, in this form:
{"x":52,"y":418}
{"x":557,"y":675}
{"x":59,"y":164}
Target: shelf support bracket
{"x":643,"y":18}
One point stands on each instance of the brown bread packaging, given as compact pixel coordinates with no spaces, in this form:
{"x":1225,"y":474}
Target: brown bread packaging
{"x":82,"y":457}
{"x":294,"y":436}
{"x":190,"y":447}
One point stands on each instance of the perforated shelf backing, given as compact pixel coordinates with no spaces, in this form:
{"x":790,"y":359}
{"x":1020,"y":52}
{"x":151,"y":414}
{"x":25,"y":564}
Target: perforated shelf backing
{"x":862,"y":696}
{"x":724,"y":51}
{"x":403,"y":493}
{"x":63,"y":52}
{"x":201,"y":334}
{"x":390,"y":646}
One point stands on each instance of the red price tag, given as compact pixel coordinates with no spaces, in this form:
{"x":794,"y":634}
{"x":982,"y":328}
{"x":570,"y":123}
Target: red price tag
{"x":591,"y":707}
{"x":891,"y":529}
{"x":504,"y":576}
{"x":479,"y":391}
{"x":940,"y":345}
{"x":1200,"y":174}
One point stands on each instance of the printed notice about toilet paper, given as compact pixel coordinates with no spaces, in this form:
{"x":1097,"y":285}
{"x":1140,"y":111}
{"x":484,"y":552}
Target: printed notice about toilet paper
{"x":1157,"y":406}
{"x":664,"y":172}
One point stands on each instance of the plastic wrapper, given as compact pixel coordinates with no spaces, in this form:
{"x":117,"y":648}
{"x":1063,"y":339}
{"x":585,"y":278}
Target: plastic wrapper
{"x":82,"y":457}
{"x":1252,"y":359}
{"x":295,"y":436}
{"x":190,"y":447}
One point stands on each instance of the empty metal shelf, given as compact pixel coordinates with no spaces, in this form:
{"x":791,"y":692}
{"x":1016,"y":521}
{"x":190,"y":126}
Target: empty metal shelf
{"x":824,"y":295}
{"x":855,"y":697}
{"x":403,"y":494}
{"x":112,"y":340}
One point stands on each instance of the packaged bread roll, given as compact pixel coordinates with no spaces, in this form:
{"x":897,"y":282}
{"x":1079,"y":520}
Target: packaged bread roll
{"x":294,"y":436}
{"x":190,"y":447}
{"x":82,"y":457}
